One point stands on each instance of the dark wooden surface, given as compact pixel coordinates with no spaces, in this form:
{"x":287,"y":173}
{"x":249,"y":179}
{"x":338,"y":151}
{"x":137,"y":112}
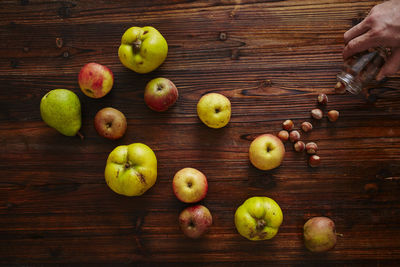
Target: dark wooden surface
{"x":277,"y":56}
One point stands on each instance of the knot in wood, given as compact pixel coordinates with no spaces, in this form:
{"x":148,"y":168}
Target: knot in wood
{"x":222,"y":36}
{"x":59,"y":42}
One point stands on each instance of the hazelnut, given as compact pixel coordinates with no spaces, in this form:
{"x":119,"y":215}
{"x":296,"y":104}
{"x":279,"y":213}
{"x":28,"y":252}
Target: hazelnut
{"x":288,"y":125}
{"x":294,"y":136}
{"x":333,"y":115}
{"x":314,"y":161}
{"x":311,"y":148}
{"x":306,"y":126}
{"x":340,"y":88}
{"x":299,"y":146}
{"x":322,"y":99}
{"x":316,"y":113}
{"x":283,"y":135}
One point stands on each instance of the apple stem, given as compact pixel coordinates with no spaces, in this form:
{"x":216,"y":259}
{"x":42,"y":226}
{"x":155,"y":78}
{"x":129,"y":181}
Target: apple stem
{"x":80,"y":135}
{"x":136,"y":45}
{"x":260,"y":224}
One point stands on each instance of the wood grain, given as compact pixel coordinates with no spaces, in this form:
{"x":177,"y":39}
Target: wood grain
{"x":271,"y":58}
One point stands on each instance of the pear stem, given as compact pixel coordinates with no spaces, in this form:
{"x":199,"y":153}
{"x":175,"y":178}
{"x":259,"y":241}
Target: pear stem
{"x":80,"y":135}
{"x":338,"y":234}
{"x":392,"y":178}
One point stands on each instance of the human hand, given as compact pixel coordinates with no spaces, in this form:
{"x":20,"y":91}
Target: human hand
{"x":380,"y":28}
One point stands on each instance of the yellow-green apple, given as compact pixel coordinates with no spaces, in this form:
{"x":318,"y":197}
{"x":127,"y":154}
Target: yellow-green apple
{"x":214,"y":110}
{"x":142,"y":49}
{"x":258,"y":218}
{"x":190,"y":185}
{"x":319,"y":234}
{"x":95,"y":80}
{"x":110,"y":123}
{"x":266,"y":152}
{"x":195,"y":221}
{"x":131,"y":169}
{"x":160,"y":94}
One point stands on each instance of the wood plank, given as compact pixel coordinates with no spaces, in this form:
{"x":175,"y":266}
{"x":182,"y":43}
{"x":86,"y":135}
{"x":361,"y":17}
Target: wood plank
{"x":271,"y":58}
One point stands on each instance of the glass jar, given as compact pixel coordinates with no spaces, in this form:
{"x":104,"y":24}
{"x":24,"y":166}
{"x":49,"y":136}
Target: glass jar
{"x":361,"y":69}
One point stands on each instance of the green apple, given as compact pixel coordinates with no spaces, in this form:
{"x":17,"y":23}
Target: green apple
{"x":131,"y":169}
{"x":258,"y":218}
{"x":266,"y":152}
{"x":142,"y":49}
{"x":214,"y":110}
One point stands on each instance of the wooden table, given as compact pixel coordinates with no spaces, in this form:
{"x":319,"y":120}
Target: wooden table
{"x":271,"y":58}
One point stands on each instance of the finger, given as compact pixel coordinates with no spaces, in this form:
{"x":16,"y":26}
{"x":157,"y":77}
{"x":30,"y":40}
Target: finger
{"x":391,"y":66}
{"x":356,"y":31}
{"x":359,"y":44}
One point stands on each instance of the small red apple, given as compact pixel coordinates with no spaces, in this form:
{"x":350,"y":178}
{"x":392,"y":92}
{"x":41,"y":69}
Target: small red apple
{"x":190,"y":185}
{"x":95,"y":80}
{"x":160,"y":94}
{"x":110,"y":123}
{"x":195,"y":221}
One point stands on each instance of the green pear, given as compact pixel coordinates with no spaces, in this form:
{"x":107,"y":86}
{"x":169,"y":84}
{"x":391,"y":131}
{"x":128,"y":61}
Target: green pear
{"x":61,"y":110}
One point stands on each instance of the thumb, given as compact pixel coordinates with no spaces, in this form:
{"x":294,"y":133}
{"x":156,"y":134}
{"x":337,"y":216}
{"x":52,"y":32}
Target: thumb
{"x":391,"y":66}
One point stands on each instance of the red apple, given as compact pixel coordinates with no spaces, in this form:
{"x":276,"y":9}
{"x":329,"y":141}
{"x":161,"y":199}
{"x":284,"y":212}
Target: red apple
{"x":95,"y":80}
{"x":190,"y":185}
{"x":160,"y":94}
{"x":195,"y":221}
{"x":110,"y":123}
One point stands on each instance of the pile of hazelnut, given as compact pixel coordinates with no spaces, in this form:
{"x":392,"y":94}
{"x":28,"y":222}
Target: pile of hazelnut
{"x":288,"y":132}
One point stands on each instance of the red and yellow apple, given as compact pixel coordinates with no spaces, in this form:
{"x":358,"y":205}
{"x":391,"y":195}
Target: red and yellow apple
{"x":190,"y":185}
{"x":160,"y":94}
{"x":110,"y":123}
{"x":266,"y":152}
{"x":95,"y":80}
{"x":319,"y":234}
{"x":195,"y":221}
